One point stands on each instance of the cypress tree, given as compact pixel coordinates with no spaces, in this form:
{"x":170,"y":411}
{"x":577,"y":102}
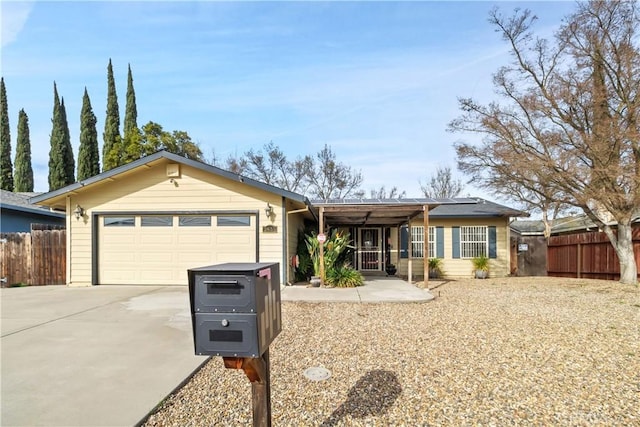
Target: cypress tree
{"x":24,"y":171}
{"x":61,"y":164}
{"x":6,"y":168}
{"x":67,"y":151}
{"x":132,"y":140}
{"x":56,"y":170}
{"x":131,"y":112}
{"x":112,"y":142}
{"x":88,"y":153}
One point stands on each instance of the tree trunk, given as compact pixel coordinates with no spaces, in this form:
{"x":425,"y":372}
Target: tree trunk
{"x":624,"y":249}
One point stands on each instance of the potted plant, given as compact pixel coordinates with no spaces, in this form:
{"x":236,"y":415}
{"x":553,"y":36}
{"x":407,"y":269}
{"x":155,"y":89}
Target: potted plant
{"x":435,"y":268}
{"x":481,"y":266}
{"x":390,"y":269}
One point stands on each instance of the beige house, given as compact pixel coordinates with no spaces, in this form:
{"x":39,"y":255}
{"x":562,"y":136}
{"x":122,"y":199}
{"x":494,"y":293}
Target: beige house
{"x":147,"y":222}
{"x":392,"y":232}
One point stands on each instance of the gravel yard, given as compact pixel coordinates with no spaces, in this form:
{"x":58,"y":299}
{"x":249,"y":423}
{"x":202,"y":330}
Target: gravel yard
{"x":516,"y":351}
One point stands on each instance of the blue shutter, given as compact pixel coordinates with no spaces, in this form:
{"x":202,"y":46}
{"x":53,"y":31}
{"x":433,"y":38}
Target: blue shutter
{"x":439,"y":242}
{"x":404,"y":241}
{"x":493,"y":251}
{"x":455,"y":231}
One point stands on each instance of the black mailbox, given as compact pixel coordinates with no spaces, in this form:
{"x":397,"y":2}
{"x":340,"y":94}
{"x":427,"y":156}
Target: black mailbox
{"x":235,"y":308}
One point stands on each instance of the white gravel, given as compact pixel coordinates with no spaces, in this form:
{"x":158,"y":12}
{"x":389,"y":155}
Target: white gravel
{"x":516,"y":351}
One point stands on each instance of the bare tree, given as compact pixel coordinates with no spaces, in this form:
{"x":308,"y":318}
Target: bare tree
{"x":568,"y":129}
{"x":329,"y":179}
{"x":271,"y":166}
{"x":382,"y":193}
{"x":442,"y":184}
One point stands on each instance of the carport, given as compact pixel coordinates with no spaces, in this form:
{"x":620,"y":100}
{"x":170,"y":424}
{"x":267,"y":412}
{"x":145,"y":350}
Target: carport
{"x":369,"y":219}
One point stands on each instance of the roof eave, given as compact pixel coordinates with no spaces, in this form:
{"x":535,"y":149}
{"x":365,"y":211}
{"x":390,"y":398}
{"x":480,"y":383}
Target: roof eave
{"x":172,"y":157}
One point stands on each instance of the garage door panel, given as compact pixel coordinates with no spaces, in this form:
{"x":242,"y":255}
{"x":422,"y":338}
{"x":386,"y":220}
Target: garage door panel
{"x":203,"y":237}
{"x":156,"y":257}
{"x":157,"y":239}
{"x":162,"y":255}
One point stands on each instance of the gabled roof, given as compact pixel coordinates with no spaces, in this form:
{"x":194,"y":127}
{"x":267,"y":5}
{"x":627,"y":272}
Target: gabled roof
{"x":20,"y":202}
{"x":174,"y":158}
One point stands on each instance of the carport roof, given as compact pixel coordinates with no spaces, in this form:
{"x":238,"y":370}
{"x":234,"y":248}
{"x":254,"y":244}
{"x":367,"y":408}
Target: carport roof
{"x":399,"y":211}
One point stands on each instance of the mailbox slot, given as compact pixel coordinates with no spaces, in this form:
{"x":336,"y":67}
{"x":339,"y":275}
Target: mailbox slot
{"x":233,"y":294}
{"x":238,"y":337}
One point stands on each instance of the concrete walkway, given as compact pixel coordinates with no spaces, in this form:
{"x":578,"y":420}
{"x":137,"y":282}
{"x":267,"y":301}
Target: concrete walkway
{"x":99,"y":356}
{"x":375,"y":290}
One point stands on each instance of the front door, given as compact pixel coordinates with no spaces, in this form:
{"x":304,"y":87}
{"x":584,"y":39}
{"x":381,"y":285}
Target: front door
{"x":370,"y":249}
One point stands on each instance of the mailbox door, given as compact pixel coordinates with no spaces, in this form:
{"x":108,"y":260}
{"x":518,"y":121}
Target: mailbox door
{"x":226,"y":334}
{"x":224,"y":293}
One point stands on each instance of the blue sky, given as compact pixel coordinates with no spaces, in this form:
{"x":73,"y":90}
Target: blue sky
{"x":377,"y":81}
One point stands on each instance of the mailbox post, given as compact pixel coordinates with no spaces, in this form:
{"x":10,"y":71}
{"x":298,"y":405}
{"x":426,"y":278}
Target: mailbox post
{"x":236,"y":313}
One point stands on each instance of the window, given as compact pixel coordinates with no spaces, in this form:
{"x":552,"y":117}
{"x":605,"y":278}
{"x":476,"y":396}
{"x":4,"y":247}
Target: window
{"x":473,"y":241}
{"x":417,"y":241}
{"x":194,"y":221}
{"x":119,"y":221}
{"x":432,"y":242}
{"x":156,"y":221}
{"x":233,"y":221}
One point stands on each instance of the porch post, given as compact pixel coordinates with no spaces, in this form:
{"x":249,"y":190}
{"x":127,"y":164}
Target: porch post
{"x":321,"y":246}
{"x":409,"y":252}
{"x":425,"y":252}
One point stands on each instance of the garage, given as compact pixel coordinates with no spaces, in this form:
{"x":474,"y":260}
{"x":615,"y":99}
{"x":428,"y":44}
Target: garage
{"x":152,"y":249}
{"x":149,"y":221}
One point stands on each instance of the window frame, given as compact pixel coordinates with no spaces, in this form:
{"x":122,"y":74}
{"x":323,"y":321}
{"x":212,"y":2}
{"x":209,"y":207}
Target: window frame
{"x":471,"y":245}
{"x":119,"y":221}
{"x":186,"y":224}
{"x":156,"y":217}
{"x":228,"y":220}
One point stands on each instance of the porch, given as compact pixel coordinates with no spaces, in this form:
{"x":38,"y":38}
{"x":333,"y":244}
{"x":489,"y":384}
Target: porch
{"x":374,"y":226}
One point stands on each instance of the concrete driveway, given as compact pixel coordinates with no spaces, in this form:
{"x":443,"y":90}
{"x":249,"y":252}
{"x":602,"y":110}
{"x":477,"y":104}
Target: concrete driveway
{"x":99,"y":356}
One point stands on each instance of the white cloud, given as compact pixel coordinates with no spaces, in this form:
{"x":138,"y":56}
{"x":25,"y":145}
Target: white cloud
{"x":13,"y":16}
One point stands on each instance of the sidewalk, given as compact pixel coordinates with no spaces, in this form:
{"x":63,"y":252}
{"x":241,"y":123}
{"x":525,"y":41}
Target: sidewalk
{"x":375,"y":290}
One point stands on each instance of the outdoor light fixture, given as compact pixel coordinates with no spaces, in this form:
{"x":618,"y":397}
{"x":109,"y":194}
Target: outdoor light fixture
{"x":78,"y":212}
{"x":268,"y":210}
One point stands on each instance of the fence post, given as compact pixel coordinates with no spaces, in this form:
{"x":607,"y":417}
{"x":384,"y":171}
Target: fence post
{"x":579,"y":261}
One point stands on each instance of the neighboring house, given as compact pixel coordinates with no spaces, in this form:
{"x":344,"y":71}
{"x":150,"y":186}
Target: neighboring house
{"x":147,"y":222}
{"x":17,"y":213}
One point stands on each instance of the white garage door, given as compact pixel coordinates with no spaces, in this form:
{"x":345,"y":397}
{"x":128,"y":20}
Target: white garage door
{"x":158,"y":249}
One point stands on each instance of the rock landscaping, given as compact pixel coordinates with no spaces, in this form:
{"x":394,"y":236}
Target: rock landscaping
{"x":513,"y":351}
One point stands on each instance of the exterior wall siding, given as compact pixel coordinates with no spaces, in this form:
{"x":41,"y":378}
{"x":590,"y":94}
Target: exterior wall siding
{"x":461,"y":267}
{"x":150,"y":190}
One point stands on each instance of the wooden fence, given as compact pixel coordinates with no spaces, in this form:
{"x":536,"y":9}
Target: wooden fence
{"x":36,"y":258}
{"x":588,"y":254}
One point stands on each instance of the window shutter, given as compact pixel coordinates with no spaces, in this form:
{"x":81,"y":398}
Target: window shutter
{"x":404,"y":241}
{"x":455,"y":231}
{"x":439,"y":242}
{"x":493,"y":250}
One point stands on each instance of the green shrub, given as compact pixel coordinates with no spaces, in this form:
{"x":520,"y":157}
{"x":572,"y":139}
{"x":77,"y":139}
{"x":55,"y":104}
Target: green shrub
{"x":435,"y":268}
{"x":344,"y":277}
{"x":334,"y":249}
{"x":480,"y":263}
